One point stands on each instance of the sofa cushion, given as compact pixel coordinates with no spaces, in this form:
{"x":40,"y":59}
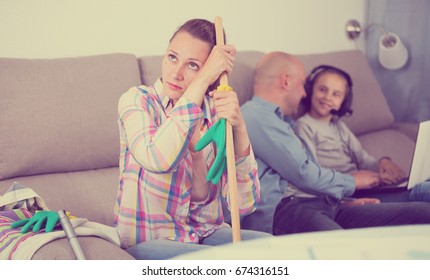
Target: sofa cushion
{"x":371,"y":111}
{"x":241,"y":79}
{"x":60,"y":115}
{"x":87,"y":194}
{"x":150,"y":68}
{"x":390,"y":142}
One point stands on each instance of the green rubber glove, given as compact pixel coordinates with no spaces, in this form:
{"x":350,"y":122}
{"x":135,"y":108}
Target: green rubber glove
{"x":215,"y":134}
{"x":41,"y":218}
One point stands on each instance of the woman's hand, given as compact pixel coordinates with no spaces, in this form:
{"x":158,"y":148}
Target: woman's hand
{"x":227,"y":106}
{"x":220,"y":60}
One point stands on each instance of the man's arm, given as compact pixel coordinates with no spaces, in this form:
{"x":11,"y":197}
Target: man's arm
{"x":275,"y":142}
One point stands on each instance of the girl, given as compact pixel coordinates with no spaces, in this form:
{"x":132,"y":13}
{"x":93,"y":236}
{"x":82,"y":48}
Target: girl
{"x":328,"y":98}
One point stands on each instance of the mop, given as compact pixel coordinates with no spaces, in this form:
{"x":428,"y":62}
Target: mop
{"x":71,"y":235}
{"x":231,"y":165}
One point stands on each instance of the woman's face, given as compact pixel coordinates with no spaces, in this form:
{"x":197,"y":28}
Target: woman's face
{"x":329,"y":91}
{"x":184,"y":58}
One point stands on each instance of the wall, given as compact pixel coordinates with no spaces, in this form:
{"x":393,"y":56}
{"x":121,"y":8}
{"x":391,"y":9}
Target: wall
{"x":61,"y":28}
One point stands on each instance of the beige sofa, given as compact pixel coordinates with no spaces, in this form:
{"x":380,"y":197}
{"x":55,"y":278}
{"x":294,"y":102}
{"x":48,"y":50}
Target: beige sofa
{"x":59,"y":134}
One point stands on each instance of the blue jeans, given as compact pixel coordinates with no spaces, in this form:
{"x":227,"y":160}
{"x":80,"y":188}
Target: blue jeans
{"x":160,"y":249}
{"x":420,"y":192}
{"x":295,"y":215}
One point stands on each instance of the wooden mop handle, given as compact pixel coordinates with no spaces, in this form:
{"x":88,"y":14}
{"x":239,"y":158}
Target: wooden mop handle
{"x":219,"y":33}
{"x":231,"y":164}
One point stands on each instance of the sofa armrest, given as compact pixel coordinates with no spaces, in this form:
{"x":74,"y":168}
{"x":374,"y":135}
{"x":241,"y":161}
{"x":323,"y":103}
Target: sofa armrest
{"x":409,"y":129}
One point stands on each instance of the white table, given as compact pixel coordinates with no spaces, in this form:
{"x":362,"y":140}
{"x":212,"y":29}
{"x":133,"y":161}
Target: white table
{"x":380,"y":243}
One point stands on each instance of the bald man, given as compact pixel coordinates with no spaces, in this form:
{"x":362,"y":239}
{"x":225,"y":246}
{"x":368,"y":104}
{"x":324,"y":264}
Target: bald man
{"x":307,"y":197}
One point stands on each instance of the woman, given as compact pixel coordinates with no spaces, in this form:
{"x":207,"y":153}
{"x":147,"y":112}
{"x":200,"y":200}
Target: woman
{"x":165,"y":206}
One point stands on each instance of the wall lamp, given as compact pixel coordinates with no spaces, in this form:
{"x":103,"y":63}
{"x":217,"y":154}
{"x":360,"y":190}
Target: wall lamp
{"x":392,"y":53}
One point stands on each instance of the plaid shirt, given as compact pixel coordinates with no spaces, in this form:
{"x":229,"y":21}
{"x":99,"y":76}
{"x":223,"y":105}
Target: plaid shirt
{"x":156,"y":170}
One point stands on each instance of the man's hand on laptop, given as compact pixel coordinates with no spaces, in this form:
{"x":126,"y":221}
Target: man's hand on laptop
{"x":365,"y":179}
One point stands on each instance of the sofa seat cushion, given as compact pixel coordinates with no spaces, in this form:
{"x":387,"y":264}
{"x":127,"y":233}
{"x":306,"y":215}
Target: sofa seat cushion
{"x":390,"y":142}
{"x":94,"y":248}
{"x":60,"y":115}
{"x":87,"y":194}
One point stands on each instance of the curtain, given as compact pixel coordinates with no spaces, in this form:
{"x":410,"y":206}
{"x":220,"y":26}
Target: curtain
{"x":407,"y":90}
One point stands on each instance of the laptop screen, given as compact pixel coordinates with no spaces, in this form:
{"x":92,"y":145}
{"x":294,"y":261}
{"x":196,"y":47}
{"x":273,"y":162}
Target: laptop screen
{"x":420,"y":169}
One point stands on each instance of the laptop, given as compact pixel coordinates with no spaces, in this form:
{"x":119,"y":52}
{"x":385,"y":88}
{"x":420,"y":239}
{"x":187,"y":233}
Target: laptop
{"x":420,"y":167}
